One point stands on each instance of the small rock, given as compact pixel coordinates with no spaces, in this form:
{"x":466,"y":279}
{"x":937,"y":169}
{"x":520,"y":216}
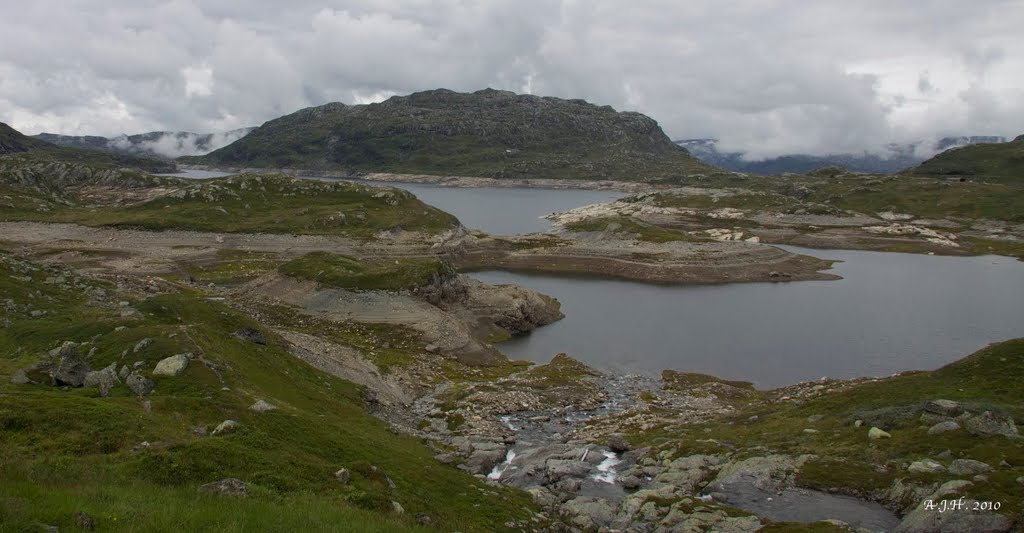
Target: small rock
{"x":432,"y":348}
{"x":142,"y":345}
{"x":342,"y":475}
{"x":810,"y":431}
{"x":874,"y":434}
{"x":225,"y":427}
{"x":814,"y":418}
{"x":926,"y":466}
{"x":942,"y":427}
{"x":262,"y":406}
{"x":397,"y":507}
{"x":967,"y":467}
{"x":858,"y":423}
{"x":103,"y":379}
{"x":226,"y":487}
{"x":630,"y":482}
{"x":423,"y":519}
{"x":173,"y":365}
{"x":943,"y":407}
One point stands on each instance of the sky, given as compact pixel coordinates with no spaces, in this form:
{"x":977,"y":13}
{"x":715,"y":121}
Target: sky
{"x":765,"y":77}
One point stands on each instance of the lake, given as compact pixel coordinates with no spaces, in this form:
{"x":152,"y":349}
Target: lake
{"x":891,"y":312}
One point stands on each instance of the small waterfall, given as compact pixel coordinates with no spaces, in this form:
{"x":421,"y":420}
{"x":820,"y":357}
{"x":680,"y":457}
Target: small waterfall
{"x":607,"y":468}
{"x":507,"y":420}
{"x":500,"y":468}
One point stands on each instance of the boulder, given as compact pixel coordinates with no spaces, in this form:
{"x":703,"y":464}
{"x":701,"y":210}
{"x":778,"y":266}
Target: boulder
{"x":926,"y":466}
{"x":226,"y":487}
{"x":71,"y":369}
{"x":597,"y":510}
{"x":173,"y":365}
{"x":968,"y":467}
{"x":943,"y":407}
{"x":103,"y":379}
{"x":262,"y":406}
{"x":556,"y":470}
{"x":139,"y":384}
{"x":225,"y":427}
{"x":397,"y":507}
{"x":874,"y":434}
{"x":943,"y":427}
{"x":618,"y":444}
{"x":484,"y":457}
{"x":989,"y":424}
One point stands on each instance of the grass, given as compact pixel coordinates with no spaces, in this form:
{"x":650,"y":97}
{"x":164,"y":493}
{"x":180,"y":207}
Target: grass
{"x":63,"y":451}
{"x":996,"y":162}
{"x":344,"y":272}
{"x":252,"y":204}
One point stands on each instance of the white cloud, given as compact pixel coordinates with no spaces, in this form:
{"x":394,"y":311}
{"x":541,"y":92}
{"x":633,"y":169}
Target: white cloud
{"x":766,"y":77}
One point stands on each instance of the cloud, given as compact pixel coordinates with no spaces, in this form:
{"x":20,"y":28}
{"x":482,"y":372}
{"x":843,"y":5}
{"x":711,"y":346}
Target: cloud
{"x":766,"y":77}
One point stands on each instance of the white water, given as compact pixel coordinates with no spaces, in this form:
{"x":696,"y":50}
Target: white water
{"x":607,"y":468}
{"x":500,"y":469}
{"x":507,"y":420}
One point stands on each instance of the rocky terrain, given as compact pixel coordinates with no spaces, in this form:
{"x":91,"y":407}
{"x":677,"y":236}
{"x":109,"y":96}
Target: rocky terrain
{"x":14,"y":142}
{"x":154,"y":144}
{"x":488,"y":133}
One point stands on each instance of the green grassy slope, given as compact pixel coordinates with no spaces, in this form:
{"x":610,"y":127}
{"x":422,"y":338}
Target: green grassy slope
{"x":250,"y":203}
{"x":1002,"y":162}
{"x":64,"y":451}
{"x":487,"y":133}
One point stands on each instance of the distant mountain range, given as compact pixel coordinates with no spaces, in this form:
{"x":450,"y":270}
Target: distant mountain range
{"x":13,"y":144}
{"x":158,"y":144}
{"x":899,"y":157}
{"x":487,"y":133}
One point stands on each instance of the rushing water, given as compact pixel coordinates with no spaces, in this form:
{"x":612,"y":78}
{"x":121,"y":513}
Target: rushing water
{"x":891,"y":312}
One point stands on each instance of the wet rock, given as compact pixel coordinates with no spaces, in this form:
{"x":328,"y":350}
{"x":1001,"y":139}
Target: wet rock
{"x":225,"y":427}
{"x":926,"y":466}
{"x":142,"y":345}
{"x":226,"y":487}
{"x":989,"y":424}
{"x":968,"y":467}
{"x":262,"y":406}
{"x":252,"y":335}
{"x":875,"y":433}
{"x":173,"y":365}
{"x":943,"y":427}
{"x":139,"y":384}
{"x":485,"y":456}
{"x":556,"y":470}
{"x":618,"y":444}
{"x":342,"y":475}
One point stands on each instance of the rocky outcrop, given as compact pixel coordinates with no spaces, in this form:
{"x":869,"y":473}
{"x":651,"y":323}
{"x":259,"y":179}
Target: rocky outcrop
{"x":173,"y":365}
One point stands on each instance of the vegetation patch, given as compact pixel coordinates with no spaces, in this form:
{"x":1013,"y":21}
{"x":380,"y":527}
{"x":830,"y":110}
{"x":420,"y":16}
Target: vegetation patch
{"x":629,"y":225}
{"x":344,"y":272}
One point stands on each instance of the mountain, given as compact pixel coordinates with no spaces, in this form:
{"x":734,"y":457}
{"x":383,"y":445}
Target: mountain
{"x":1002,"y":161}
{"x":487,"y":133}
{"x":15,"y":144}
{"x":899,"y":157}
{"x":158,"y":144}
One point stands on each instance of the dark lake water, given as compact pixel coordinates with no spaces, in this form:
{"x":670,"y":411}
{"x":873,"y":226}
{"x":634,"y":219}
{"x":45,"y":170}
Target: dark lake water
{"x":891,"y":312}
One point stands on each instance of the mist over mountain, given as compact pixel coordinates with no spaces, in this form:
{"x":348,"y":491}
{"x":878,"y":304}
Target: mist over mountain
{"x":896,"y":157}
{"x":160,"y":144}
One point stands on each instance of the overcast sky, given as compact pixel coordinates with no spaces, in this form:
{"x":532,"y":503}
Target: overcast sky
{"x":763,"y":76}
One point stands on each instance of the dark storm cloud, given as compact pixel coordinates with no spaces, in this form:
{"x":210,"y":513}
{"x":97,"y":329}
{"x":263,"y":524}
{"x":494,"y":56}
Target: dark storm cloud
{"x":765,"y":77}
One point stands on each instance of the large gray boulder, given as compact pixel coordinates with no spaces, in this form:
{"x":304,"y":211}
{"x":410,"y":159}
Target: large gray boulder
{"x":558,"y":469}
{"x":139,"y":384}
{"x":968,"y":467}
{"x":173,"y":365}
{"x":104,"y":379}
{"x":989,"y":424}
{"x":71,"y":369}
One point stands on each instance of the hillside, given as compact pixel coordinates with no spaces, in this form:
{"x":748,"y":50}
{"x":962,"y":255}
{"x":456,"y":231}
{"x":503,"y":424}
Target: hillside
{"x":156,"y":144}
{"x":487,"y":133}
{"x":897,"y":157}
{"x":14,"y":142}
{"x":1003,"y":161}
